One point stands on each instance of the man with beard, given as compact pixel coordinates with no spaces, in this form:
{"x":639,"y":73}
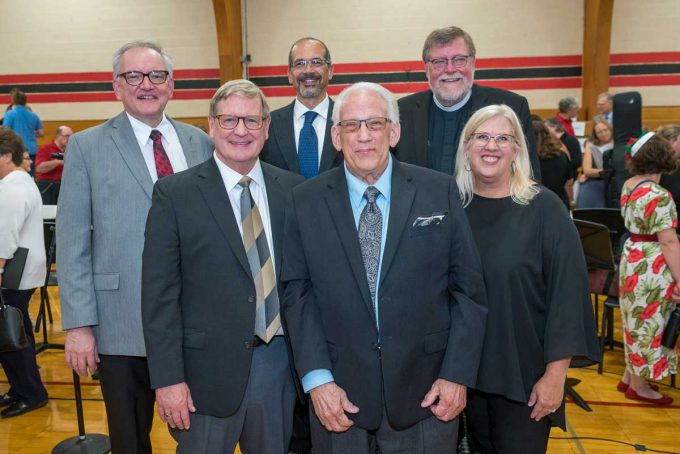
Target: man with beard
{"x":432,"y":120}
{"x":299,"y":135}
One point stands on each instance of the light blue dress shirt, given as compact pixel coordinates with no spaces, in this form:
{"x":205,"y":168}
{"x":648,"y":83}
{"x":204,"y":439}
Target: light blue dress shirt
{"x":356,"y":189}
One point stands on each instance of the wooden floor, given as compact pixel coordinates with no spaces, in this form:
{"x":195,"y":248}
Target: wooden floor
{"x":615,"y":422}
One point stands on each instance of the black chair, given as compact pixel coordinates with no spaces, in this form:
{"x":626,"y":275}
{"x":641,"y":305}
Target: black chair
{"x":609,"y":217}
{"x":603,"y":274}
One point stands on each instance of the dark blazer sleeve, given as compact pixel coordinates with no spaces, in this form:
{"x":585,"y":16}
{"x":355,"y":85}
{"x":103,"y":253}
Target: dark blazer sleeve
{"x":468,"y":300}
{"x":299,"y":307}
{"x":161,"y":289}
{"x":523,"y":113}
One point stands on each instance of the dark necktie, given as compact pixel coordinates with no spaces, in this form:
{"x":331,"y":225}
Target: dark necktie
{"x":160,"y":157}
{"x":370,"y":235}
{"x":308,"y":147}
{"x":267,"y":320}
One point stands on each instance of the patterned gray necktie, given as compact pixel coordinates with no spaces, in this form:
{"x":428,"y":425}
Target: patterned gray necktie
{"x":370,"y":235}
{"x":267,"y":320}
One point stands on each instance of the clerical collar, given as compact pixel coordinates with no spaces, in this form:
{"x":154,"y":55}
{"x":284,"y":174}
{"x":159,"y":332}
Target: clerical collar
{"x":454,"y":107}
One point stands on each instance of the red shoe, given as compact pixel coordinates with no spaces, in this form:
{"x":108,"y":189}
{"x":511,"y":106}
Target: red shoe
{"x":623,"y":387}
{"x":663,"y":400}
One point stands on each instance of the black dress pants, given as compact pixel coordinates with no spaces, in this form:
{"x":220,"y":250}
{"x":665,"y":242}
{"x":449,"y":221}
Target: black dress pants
{"x":129,"y":402}
{"x":20,"y":366}
{"x":49,"y":191}
{"x":500,"y":425}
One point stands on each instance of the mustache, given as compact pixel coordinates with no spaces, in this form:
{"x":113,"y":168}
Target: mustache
{"x":304,"y":76}
{"x":449,"y":75}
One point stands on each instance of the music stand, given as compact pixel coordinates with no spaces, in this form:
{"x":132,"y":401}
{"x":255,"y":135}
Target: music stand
{"x":50,"y":280}
{"x":82,"y":443}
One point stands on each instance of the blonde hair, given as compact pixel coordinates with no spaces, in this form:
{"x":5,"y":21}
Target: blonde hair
{"x":522,"y":188}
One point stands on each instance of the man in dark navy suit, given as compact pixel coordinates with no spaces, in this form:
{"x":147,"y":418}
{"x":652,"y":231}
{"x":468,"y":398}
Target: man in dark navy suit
{"x":299,"y":136}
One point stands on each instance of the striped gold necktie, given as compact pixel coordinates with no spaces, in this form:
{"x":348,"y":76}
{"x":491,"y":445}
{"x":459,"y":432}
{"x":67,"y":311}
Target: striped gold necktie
{"x":267,"y":318}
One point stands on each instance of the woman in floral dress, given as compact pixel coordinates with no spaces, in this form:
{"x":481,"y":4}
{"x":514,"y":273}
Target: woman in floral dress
{"x":650,"y":268}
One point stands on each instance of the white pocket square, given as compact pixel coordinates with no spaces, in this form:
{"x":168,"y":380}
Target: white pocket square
{"x":434,"y":219}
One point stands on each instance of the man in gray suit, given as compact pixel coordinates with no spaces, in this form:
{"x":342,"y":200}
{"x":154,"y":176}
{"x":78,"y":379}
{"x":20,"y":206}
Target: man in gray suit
{"x":300,"y":133}
{"x":105,"y":196}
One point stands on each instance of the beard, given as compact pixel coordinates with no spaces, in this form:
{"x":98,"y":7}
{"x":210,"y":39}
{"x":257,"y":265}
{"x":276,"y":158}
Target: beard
{"x":450,"y":95}
{"x":309,"y":92}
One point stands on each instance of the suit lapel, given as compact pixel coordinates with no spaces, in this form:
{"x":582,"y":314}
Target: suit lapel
{"x":189,"y":143}
{"x":403,"y":193}
{"x":328,"y":153}
{"x":285,"y":137}
{"x":337,"y":199}
{"x":421,"y":123}
{"x":212,"y":188}
{"x":276,"y":202}
{"x":478,"y":99}
{"x":124,"y":138}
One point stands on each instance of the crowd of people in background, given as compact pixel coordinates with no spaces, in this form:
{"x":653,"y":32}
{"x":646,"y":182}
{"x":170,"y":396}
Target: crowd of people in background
{"x":158,"y":275}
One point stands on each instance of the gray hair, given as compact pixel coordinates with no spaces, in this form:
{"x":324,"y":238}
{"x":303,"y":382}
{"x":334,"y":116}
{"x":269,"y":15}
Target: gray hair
{"x":140,"y":45}
{"x":522,"y":188}
{"x":384,"y":93}
{"x":669,"y":132}
{"x":567,"y":103}
{"x":326,"y":52}
{"x":242,"y":87}
{"x":443,"y":36}
{"x":555,"y":123}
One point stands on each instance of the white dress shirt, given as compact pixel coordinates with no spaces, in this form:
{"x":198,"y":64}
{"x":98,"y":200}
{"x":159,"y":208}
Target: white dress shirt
{"x":259,"y":192}
{"x":170,"y":142}
{"x":21,"y":225}
{"x":319,"y":123}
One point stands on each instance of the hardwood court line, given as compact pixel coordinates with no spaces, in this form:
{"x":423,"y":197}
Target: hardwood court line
{"x":59,"y":383}
{"x":576,"y":439}
{"x":626,"y":404}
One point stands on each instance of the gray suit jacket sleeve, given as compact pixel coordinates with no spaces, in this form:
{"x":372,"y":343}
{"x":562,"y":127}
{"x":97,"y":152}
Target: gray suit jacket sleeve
{"x":74,"y":254}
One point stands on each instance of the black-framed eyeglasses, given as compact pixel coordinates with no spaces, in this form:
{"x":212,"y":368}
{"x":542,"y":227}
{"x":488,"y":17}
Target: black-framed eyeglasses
{"x":301,"y":63}
{"x":459,"y":61}
{"x":502,"y":140}
{"x":135,"y":78}
{"x":251,"y":122}
{"x":373,"y":124}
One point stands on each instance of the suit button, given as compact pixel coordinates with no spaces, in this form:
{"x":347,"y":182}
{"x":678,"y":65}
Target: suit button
{"x":251,"y":299}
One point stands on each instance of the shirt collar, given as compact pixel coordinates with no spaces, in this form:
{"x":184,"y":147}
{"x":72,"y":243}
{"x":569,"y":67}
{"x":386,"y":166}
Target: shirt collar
{"x":357,"y":187}
{"x":454,"y":107}
{"x":232,"y":177}
{"x":143,"y":131}
{"x":300,"y":109}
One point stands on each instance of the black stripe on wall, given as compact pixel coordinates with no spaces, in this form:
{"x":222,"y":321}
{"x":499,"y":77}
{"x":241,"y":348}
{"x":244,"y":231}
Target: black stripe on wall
{"x":419,"y":76}
{"x":78,"y":87}
{"x":639,"y":70}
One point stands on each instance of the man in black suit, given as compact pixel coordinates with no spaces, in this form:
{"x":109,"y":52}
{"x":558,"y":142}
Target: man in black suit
{"x":299,"y":136}
{"x":217,"y":356}
{"x":384,"y":302}
{"x":432,"y":120}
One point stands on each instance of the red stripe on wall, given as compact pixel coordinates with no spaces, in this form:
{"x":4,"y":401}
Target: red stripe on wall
{"x":412,"y":87}
{"x":644,"y":81}
{"x":645,"y":57}
{"x":110,"y":96}
{"x":6,"y":79}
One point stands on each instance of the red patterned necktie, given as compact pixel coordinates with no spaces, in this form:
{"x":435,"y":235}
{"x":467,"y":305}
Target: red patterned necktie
{"x":160,"y":157}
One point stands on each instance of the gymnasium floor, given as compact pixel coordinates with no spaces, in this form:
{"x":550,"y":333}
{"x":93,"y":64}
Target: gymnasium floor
{"x":615,"y":422}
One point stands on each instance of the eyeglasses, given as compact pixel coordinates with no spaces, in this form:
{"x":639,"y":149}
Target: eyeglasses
{"x":251,"y":122}
{"x":502,"y":140}
{"x":459,"y":61}
{"x":301,"y":64}
{"x":373,"y":124}
{"x":135,"y":78}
